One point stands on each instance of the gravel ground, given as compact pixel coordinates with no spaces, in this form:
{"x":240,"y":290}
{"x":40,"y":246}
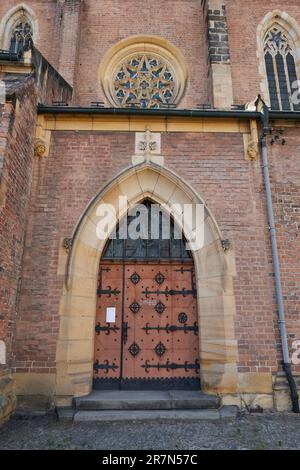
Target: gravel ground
{"x":257,"y":432}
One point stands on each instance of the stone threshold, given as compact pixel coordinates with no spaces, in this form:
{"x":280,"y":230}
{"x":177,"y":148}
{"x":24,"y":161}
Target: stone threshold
{"x":109,"y":416}
{"x":146,"y":400}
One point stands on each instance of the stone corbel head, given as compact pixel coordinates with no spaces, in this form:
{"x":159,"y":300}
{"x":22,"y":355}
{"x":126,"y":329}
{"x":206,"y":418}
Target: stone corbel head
{"x":39,"y":148}
{"x":252,"y":150}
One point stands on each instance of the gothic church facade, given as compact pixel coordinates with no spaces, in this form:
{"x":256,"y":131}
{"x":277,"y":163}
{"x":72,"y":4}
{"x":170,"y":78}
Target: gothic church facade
{"x":183,"y":101}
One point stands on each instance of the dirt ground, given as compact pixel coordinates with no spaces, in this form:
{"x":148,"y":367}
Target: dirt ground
{"x":253,"y":432}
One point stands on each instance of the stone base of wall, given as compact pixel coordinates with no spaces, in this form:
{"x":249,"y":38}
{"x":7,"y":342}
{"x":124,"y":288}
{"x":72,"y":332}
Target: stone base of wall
{"x":35,"y":391}
{"x":282,"y":397}
{"x":41,"y":403}
{"x":278,"y":399}
{"x":8,"y":399}
{"x":250,"y":401}
{"x":256,"y":392}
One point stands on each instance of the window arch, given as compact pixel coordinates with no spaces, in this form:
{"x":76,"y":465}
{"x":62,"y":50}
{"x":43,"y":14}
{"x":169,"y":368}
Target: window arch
{"x":280,"y":62}
{"x":278,"y":51}
{"x":18,"y":29}
{"x":144,"y":72}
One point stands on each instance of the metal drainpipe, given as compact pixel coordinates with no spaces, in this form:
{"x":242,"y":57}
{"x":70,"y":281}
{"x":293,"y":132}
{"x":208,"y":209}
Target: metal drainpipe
{"x":281,"y":314}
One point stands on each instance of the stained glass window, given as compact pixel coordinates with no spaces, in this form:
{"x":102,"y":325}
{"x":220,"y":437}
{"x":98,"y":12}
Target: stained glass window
{"x":144,"y":81}
{"x":281,"y":70}
{"x":21,"y":38}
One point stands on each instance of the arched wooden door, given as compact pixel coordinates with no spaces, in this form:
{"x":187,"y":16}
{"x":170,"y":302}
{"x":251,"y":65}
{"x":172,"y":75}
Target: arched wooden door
{"x":152,"y":343}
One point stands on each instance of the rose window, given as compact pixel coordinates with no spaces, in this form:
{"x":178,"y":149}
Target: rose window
{"x":144,"y":81}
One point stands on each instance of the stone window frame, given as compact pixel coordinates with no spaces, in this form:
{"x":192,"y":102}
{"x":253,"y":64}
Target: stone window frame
{"x":291,"y":29}
{"x":10,"y":21}
{"x":142,"y":44}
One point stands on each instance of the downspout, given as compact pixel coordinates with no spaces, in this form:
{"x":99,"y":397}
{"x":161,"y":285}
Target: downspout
{"x":281,"y":313}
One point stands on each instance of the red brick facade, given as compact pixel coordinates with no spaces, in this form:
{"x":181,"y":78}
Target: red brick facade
{"x":42,"y":199}
{"x":81,"y":163}
{"x":243,"y":47}
{"x":16,"y":179}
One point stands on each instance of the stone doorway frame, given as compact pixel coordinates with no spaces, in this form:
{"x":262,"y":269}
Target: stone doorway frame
{"x":214,"y":271}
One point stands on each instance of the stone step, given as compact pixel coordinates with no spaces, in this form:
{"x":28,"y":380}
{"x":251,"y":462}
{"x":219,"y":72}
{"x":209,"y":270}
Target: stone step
{"x":226,"y":412}
{"x":146,"y":400}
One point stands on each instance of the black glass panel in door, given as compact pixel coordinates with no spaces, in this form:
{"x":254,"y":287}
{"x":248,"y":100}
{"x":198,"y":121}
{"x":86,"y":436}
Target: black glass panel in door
{"x":160,"y":239}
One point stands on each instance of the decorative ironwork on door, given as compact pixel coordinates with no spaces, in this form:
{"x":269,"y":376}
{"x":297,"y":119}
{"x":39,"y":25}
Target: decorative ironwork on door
{"x":153,"y":343}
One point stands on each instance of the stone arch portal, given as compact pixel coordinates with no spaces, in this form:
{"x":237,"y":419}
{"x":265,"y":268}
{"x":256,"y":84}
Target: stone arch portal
{"x":214,"y":271}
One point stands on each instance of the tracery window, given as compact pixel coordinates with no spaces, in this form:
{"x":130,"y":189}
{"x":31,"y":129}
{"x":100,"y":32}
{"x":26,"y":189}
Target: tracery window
{"x":279,"y":53}
{"x":144,"y":72}
{"x":146,"y":81}
{"x":21,"y":37}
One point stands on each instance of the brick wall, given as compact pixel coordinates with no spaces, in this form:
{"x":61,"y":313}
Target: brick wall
{"x":81,"y":163}
{"x":16,"y":162}
{"x":285,"y":178}
{"x":233,"y":190}
{"x":217,"y":31}
{"x":242,"y":26}
{"x":50,"y":84}
{"x":78,"y":167}
{"x":5,"y":301}
{"x":70,"y":39}
{"x":105,"y":23}
{"x":49,"y":15}
{"x":75,"y":44}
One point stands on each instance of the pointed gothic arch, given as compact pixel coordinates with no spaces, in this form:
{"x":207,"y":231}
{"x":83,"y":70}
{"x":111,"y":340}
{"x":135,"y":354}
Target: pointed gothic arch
{"x":18,"y":21}
{"x":278,"y":51}
{"x":214,"y":270}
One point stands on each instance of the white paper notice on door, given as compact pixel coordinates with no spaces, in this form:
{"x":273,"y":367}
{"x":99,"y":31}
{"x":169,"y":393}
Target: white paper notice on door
{"x":111,"y":315}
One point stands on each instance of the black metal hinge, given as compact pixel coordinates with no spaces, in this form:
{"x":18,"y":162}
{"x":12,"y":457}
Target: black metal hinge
{"x":106,"y":366}
{"x":167,"y":292}
{"x":106,"y":328}
{"x":172,"y":366}
{"x":171,"y":328}
{"x":108,"y":291}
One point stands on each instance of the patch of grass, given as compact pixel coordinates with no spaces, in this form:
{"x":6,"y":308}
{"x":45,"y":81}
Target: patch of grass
{"x":54,"y":444}
{"x":86,"y":445}
{"x":260,"y":446}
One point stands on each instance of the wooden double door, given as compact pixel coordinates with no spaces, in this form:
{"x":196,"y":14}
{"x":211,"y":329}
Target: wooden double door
{"x":152,"y":343}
